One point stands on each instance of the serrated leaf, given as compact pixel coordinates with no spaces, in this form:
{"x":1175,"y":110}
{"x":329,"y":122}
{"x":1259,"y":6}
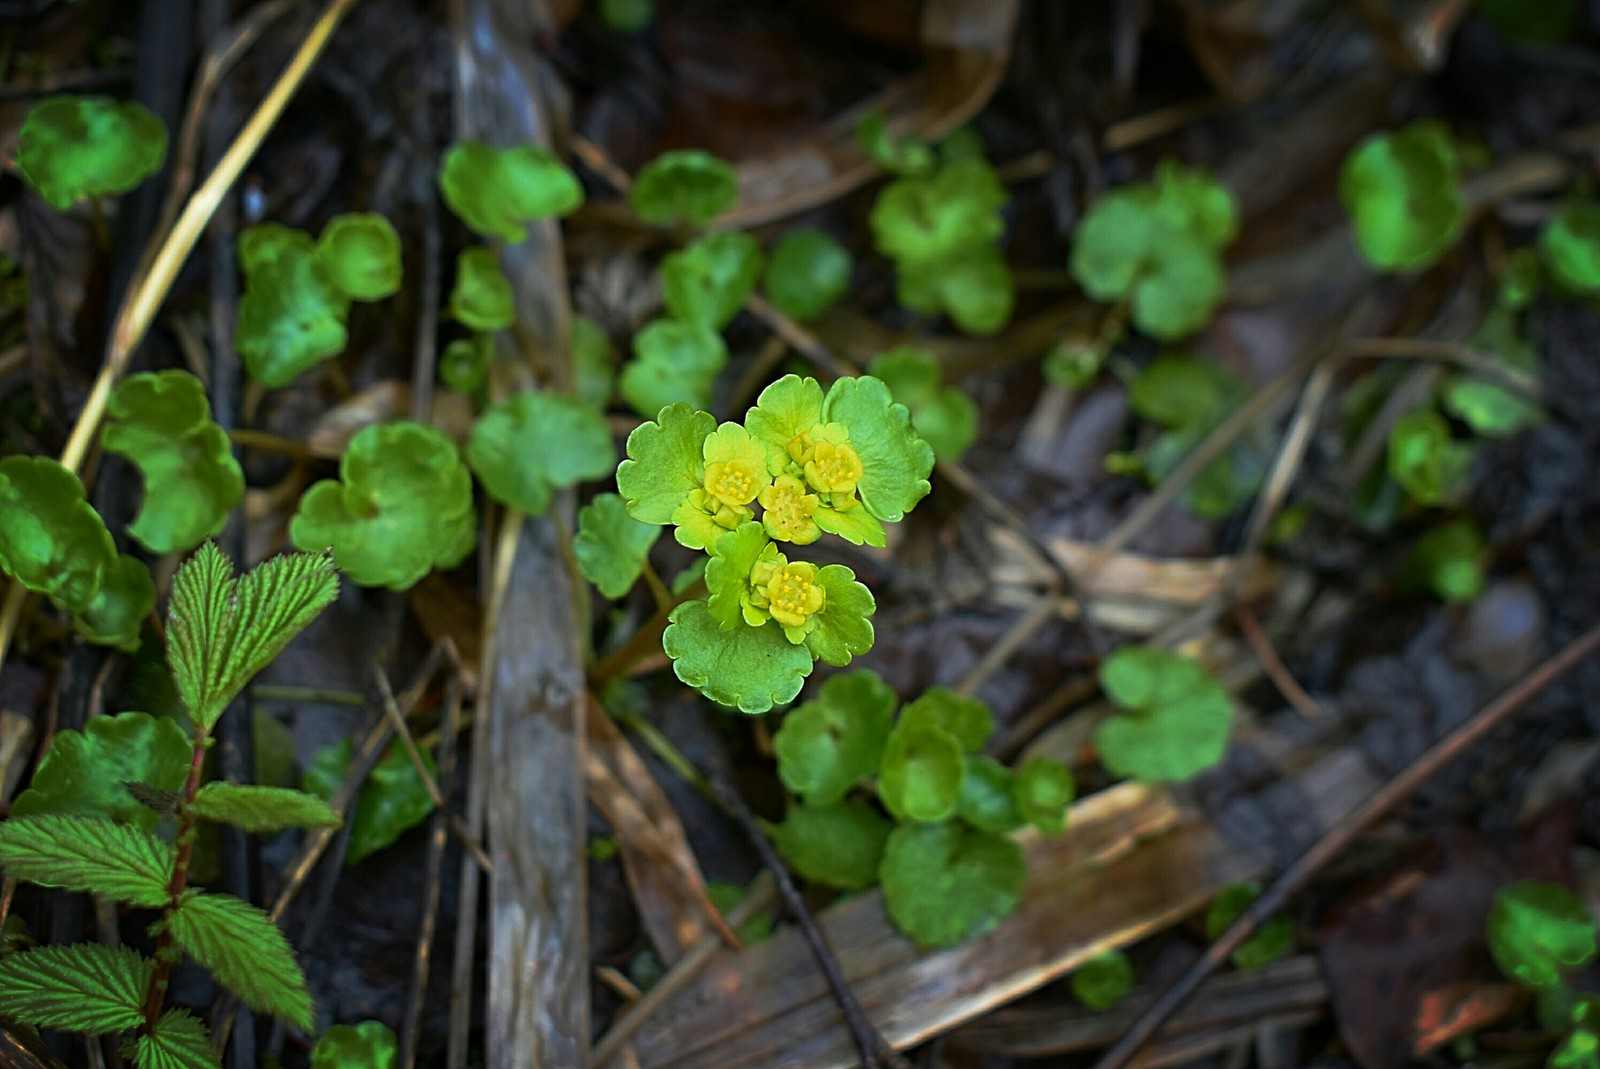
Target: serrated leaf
{"x":498,"y":191}
{"x":533,"y":443}
{"x":896,"y":462}
{"x":393,"y":800}
{"x":161,"y":421}
{"x":52,"y":541}
{"x":361,"y":253}
{"x":1175,"y":716}
{"x":687,"y":185}
{"x":807,"y":272}
{"x":825,"y":747}
{"x":707,"y":281}
{"x":262,"y":810}
{"x":221,"y":631}
{"x":1402,"y":190}
{"x":1104,"y":980}
{"x":1538,"y":932}
{"x":481,"y":298}
{"x":83,"y":772}
{"x":80,"y":987}
{"x":611,"y":546}
{"x":180,"y":1041}
{"x":748,"y":668}
{"x":944,"y":883}
{"x":246,"y":952}
{"x":921,"y":774}
{"x":71,"y":148}
{"x":665,"y":462}
{"x":368,"y":1045}
{"x":839,"y":844}
{"x":117,"y":614}
{"x":91,"y":854}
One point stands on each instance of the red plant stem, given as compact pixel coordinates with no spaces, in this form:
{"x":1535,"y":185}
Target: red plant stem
{"x":167,"y":955}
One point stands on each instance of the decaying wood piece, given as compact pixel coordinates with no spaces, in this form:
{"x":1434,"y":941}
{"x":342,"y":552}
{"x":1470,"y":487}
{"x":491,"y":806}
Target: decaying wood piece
{"x":530,"y":736}
{"x":1131,"y":862}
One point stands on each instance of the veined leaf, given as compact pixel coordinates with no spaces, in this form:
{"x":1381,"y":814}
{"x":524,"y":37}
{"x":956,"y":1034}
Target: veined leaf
{"x":83,"y":772}
{"x":262,"y":810}
{"x":87,"y":854}
{"x":247,"y":952}
{"x":221,"y":631}
{"x":180,"y":1041}
{"x":80,"y":987}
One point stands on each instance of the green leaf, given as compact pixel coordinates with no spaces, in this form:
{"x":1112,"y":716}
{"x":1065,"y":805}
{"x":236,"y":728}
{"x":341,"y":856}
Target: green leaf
{"x":986,"y":800}
{"x":1192,"y":398}
{"x":361,"y":253}
{"x":262,"y":810}
{"x":1570,"y":243}
{"x":968,"y":720}
{"x":944,"y":883}
{"x":1448,"y":561}
{"x":707,"y":282}
{"x":665,"y":462}
{"x":393,"y":800}
{"x":1490,"y":410}
{"x":673,"y":363}
{"x":733,"y":557}
{"x":930,"y":218}
{"x":83,"y":772}
{"x":291,"y":316}
{"x":1174,"y":718}
{"x":1425,"y":459}
{"x":786,"y":408}
{"x":246,"y":952}
{"x":1104,"y":980}
{"x":687,"y":185}
{"x":1271,"y":941}
{"x":593,"y":363}
{"x":180,"y":1041}
{"x":942,"y":416}
{"x":481,"y":298}
{"x":748,"y":668}
{"x":221,"y":631}
{"x":403,"y":508}
{"x":896,"y":462}
{"x":1580,"y":1050}
{"x":902,"y":154}
{"x":162,"y":422}
{"x":464,"y":364}
{"x":534,"y":443}
{"x":628,"y":16}
{"x":117,"y":613}
{"x":807,"y":272}
{"x":726,"y":896}
{"x":52,"y":541}
{"x":825,"y":747}
{"x":1043,"y":788}
{"x":973,"y":287}
{"x":839,"y":844}
{"x":368,"y":1045}
{"x":80,"y":987}
{"x":73,"y":148}
{"x":611,"y":546}
{"x":1403,"y":193}
{"x":1538,"y":932}
{"x":87,"y":854}
{"x":498,"y":191}
{"x":841,"y":630}
{"x":921,"y":774}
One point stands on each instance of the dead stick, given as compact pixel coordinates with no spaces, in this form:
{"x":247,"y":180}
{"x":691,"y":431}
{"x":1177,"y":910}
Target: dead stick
{"x":1334,"y":842}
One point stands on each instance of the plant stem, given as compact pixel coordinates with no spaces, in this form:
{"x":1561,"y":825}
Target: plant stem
{"x":641,"y":644}
{"x":167,"y":954}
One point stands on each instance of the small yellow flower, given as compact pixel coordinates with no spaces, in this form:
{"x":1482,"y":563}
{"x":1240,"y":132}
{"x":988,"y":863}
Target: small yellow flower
{"x":834,"y":468}
{"x":789,"y":510}
{"x":790,"y":591}
{"x":732,"y":482}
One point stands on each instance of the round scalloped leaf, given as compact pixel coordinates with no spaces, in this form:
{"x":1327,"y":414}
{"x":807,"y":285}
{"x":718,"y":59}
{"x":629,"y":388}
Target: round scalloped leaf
{"x":707,"y":281}
{"x":896,"y":462}
{"x":481,"y":298}
{"x":840,"y":845}
{"x":968,"y":719}
{"x":368,"y":1045}
{"x":900,"y":154}
{"x":842,"y":629}
{"x":1181,"y":291}
{"x":825,"y":747}
{"x":83,"y":772}
{"x":931,"y":218}
{"x":1175,"y":716}
{"x":972,"y":286}
{"x":921,"y":774}
{"x":393,"y":799}
{"x":464,"y":364}
{"x":1539,"y":932}
{"x":665,"y":462}
{"x":1425,"y":459}
{"x":944,"y":883}
{"x":361,"y":253}
{"x":1104,"y":980}
{"x":73,"y":148}
{"x":497,"y":191}
{"x":673,"y":362}
{"x":1111,"y":243}
{"x":748,"y":668}
{"x":942,"y":416}
{"x":266,"y":243}
{"x":688,"y":185}
{"x":1042,"y":789}
{"x":785,"y":408}
{"x":807,"y":272}
{"x":51,"y":539}
{"x":1403,"y":193}
{"x":728,"y":572}
{"x":403,"y":507}
{"x":1194,"y":201}
{"x":1448,"y":560}
{"x":291,"y":316}
{"x":161,"y":421}
{"x":986,"y":800}
{"x":611,"y":546}
{"x":1570,"y":243}
{"x":117,"y":613}
{"x":532,"y":444}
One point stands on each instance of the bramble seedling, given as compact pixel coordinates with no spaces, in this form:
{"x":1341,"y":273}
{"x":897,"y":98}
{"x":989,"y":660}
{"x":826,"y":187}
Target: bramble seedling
{"x":72,"y":148}
{"x":532,"y":444}
{"x":499,"y":191}
{"x":1270,"y":942}
{"x":393,"y":799}
{"x":1402,"y":191}
{"x":946,"y":418}
{"x":1158,"y":247}
{"x":807,"y":272}
{"x":1103,"y":981}
{"x":686,"y":185}
{"x":1173,"y":717}
{"x":83,"y":828}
